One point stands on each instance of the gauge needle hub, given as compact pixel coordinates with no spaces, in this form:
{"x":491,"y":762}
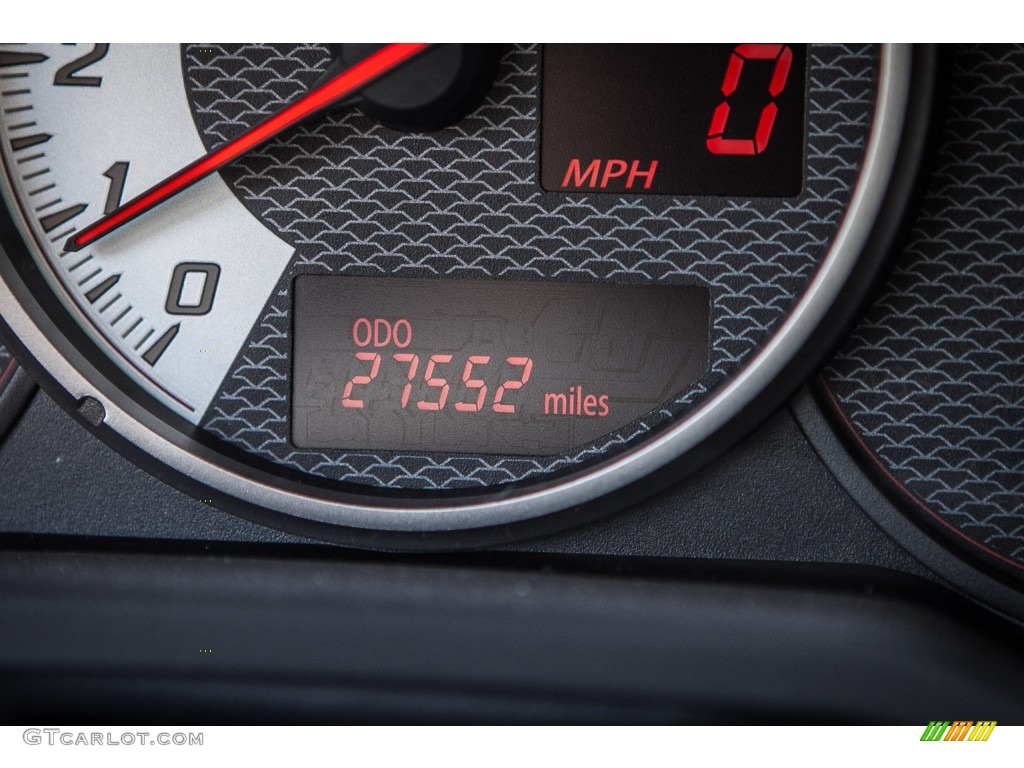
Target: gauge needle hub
{"x":340,"y":86}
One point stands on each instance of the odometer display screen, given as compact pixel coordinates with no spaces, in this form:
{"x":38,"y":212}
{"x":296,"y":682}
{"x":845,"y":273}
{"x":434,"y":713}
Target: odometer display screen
{"x":673,"y":119}
{"x":472,"y":366}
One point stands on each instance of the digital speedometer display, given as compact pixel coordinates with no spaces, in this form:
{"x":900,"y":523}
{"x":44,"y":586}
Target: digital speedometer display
{"x":494,"y":367}
{"x":673,"y":119}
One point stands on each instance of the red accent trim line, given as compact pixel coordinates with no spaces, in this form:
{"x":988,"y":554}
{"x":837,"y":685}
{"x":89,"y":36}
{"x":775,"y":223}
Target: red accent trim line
{"x":343,"y":84}
{"x":11,"y":365}
{"x":904,"y":491}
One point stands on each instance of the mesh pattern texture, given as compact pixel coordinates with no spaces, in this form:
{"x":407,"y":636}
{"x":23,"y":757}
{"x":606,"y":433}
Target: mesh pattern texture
{"x":933,"y":378}
{"x":356,"y":198}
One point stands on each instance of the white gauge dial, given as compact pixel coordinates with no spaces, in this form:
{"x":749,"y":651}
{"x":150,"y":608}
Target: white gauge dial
{"x":174,"y":302}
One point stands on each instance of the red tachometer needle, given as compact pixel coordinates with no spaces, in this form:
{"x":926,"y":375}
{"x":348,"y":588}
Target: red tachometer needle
{"x":345,"y":83}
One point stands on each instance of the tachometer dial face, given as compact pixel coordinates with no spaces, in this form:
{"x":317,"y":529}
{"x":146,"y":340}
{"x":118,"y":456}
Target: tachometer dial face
{"x":347,"y":288}
{"x":90,"y":127}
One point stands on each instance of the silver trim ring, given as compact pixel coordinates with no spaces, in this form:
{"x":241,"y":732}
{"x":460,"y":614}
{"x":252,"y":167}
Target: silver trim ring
{"x":767,"y":364}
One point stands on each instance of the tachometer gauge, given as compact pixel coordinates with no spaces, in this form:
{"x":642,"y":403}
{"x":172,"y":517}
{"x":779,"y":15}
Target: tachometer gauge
{"x":420,"y":296}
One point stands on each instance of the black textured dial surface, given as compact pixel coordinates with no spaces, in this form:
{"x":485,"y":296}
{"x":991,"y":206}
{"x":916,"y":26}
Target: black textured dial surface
{"x":932,"y":381}
{"x":356,"y":198}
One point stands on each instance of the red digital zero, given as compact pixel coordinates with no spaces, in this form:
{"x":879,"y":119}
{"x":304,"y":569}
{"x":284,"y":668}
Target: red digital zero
{"x":782,"y":55}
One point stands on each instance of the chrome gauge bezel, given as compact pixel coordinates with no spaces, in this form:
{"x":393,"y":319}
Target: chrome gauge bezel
{"x":171,"y":448}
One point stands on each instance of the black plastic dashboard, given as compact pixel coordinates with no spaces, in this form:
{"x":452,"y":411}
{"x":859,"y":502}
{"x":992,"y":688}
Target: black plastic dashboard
{"x":855,"y":557}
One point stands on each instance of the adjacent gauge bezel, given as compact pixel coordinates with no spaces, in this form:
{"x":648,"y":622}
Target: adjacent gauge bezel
{"x":969,"y":572}
{"x":16,"y":389}
{"x":75,"y":371}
